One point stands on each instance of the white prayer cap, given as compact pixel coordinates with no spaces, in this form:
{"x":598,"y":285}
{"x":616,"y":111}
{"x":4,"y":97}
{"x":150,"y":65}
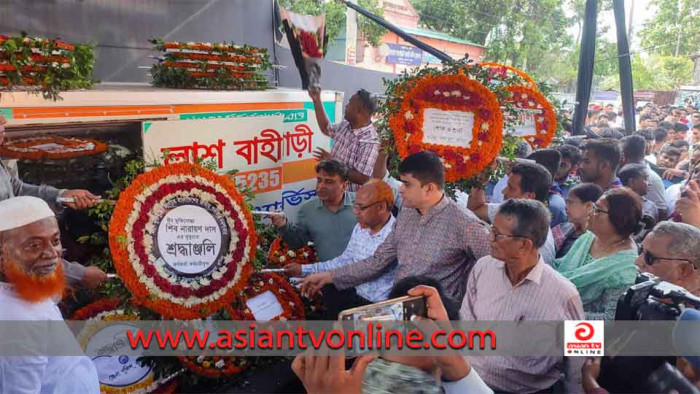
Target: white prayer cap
{"x":20,"y":211}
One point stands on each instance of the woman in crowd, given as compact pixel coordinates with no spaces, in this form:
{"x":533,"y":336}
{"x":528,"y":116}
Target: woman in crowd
{"x":601,"y":262}
{"x":579,"y":206}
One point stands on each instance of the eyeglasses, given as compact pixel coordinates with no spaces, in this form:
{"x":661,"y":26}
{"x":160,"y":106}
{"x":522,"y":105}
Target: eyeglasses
{"x":494,"y":235}
{"x":364,"y":208}
{"x":597,"y":210}
{"x":650,"y":259}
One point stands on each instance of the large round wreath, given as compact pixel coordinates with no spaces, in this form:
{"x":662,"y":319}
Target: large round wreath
{"x":545,"y":120}
{"x":52,"y":148}
{"x":98,"y":315}
{"x":135,"y":243}
{"x":451,"y":93}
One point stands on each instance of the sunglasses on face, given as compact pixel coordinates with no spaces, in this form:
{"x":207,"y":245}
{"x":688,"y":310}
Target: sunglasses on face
{"x":650,"y":259}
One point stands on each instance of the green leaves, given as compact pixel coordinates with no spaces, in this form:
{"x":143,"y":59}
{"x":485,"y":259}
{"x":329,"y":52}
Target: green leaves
{"x":45,"y":66}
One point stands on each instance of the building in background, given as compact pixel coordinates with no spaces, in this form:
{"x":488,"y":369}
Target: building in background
{"x":395,"y":55}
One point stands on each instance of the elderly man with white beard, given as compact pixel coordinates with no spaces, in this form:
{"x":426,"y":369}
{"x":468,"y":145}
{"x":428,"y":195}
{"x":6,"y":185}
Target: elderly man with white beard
{"x":12,"y":186}
{"x":31,"y":283}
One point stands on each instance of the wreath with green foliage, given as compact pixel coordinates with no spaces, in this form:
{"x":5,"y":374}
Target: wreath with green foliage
{"x":45,"y":66}
{"x":495,"y":80}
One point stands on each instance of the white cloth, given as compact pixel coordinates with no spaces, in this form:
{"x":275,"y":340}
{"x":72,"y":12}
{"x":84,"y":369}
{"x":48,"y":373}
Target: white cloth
{"x":548,"y":251}
{"x":21,"y":211}
{"x":394,"y":184}
{"x":651,"y":159}
{"x":656,"y":192}
{"x":497,"y":196}
{"x":471,"y":384}
{"x":673,"y":193}
{"x":461,"y":198}
{"x":41,"y":374}
{"x":361,"y":246}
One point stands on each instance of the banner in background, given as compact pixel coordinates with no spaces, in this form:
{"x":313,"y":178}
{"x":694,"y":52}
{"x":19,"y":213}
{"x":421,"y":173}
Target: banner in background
{"x":271,"y":150}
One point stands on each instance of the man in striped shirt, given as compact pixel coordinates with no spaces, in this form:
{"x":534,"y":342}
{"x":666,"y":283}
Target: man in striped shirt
{"x":355,"y":141}
{"x":433,"y":236}
{"x":515,"y":284}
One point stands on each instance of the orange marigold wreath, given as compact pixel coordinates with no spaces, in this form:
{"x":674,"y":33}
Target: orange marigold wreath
{"x":545,"y":120}
{"x":52,"y":148}
{"x":132,"y":244}
{"x":451,"y":93}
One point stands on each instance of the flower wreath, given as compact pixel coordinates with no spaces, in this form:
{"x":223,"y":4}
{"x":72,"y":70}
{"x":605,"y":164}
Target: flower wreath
{"x":52,"y":148}
{"x":132,"y":239}
{"x":97,"y":315}
{"x":216,"y":367}
{"x":545,"y":121}
{"x":529,"y":82}
{"x":451,"y":93}
{"x":286,"y":294}
{"x":281,"y":254}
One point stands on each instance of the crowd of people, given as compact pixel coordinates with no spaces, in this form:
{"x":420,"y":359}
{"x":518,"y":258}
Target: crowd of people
{"x":561,"y":237}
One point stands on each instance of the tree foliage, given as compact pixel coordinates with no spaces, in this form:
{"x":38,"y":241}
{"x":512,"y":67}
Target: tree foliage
{"x":519,"y":32}
{"x":335,"y":16}
{"x":655,"y":73}
{"x":674,"y":31}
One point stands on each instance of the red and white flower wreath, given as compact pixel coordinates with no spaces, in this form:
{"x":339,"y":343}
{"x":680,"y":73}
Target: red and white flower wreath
{"x":451,"y":93}
{"x":545,"y":120}
{"x":132,"y":243}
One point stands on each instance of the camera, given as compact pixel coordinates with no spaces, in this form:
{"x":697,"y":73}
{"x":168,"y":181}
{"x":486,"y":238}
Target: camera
{"x":642,"y":301}
{"x":668,"y":379}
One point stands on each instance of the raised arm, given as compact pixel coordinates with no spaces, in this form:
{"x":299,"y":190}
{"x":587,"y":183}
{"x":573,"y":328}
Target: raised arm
{"x":323,"y":123}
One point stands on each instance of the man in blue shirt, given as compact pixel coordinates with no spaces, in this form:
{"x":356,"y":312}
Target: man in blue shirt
{"x":373,"y":204}
{"x":551,"y":159}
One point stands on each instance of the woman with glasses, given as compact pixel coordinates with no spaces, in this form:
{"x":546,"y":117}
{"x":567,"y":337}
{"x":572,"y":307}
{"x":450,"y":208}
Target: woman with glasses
{"x":579,"y":205}
{"x":601,"y":262}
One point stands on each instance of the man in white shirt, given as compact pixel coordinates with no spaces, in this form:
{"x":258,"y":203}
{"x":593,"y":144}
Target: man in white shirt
{"x":373,"y":204}
{"x":527,"y":180}
{"x":31,"y":281}
{"x":515,"y":284}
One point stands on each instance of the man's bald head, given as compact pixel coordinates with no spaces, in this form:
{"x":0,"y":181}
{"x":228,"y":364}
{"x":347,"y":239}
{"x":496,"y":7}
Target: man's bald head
{"x":379,"y":190}
{"x":373,"y":203}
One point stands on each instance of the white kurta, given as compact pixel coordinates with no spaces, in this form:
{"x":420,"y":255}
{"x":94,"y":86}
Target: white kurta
{"x":41,"y":374}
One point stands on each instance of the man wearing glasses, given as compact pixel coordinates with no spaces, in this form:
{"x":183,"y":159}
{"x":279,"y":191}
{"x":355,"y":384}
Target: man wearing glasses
{"x":373,"y":204}
{"x":672,"y":252}
{"x":515,"y":284}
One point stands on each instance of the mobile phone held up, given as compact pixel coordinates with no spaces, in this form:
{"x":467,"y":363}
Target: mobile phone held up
{"x":397,"y":309}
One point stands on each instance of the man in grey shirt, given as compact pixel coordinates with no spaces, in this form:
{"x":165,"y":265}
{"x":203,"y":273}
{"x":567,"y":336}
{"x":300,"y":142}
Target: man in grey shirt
{"x":327,"y":220}
{"x":12,"y":186}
